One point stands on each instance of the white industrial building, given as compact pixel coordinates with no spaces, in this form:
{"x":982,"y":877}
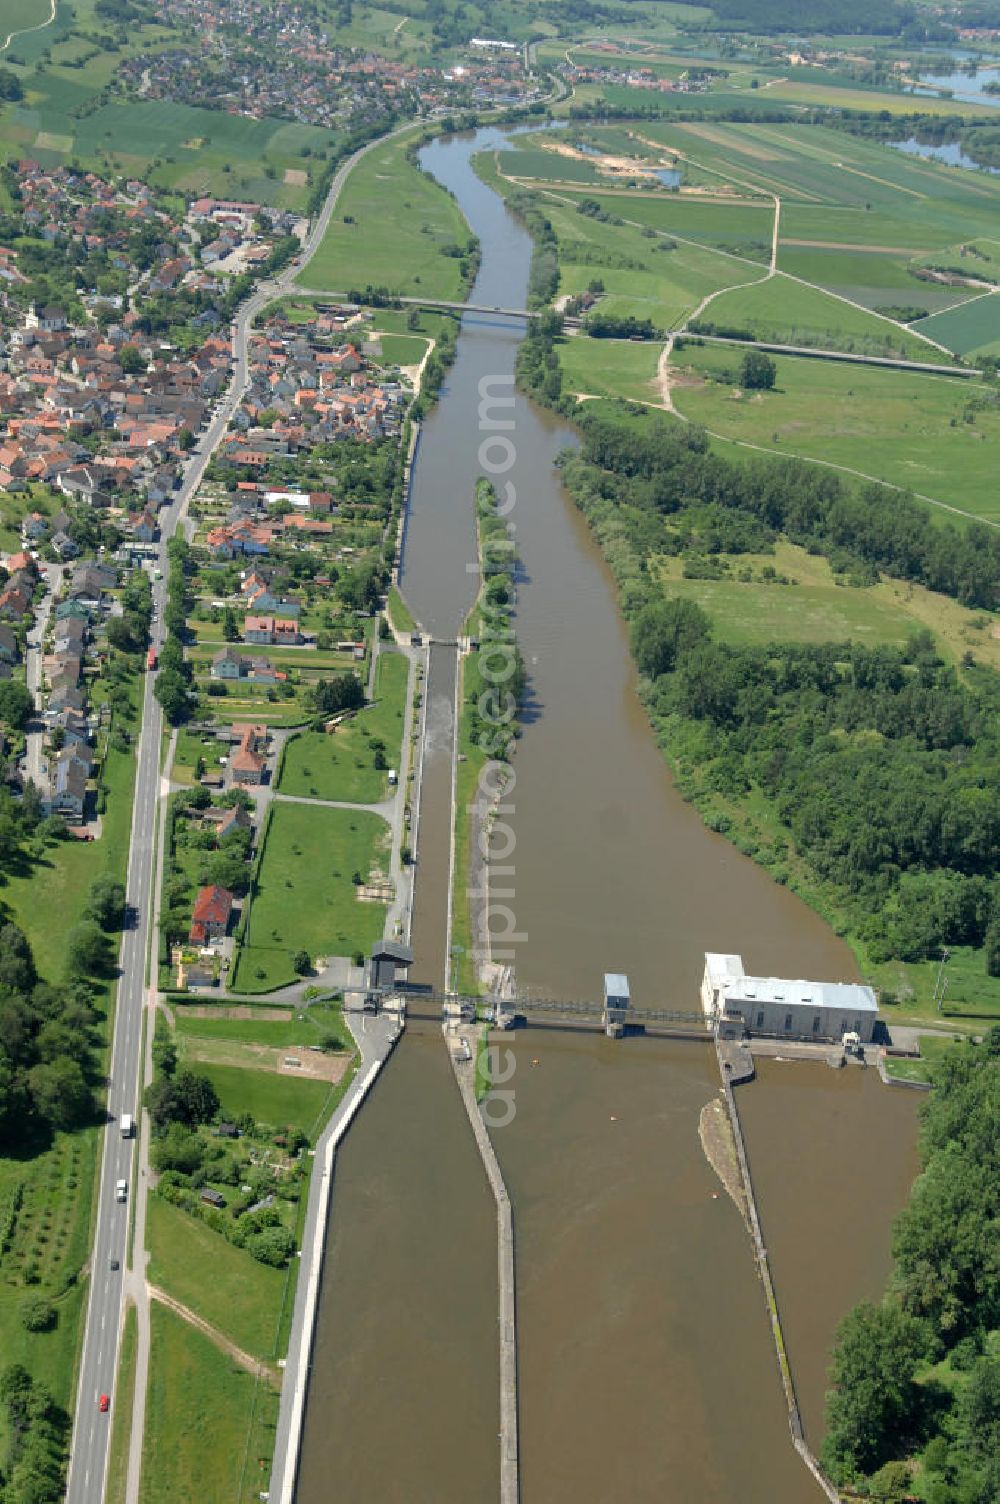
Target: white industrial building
{"x":771,"y":1005}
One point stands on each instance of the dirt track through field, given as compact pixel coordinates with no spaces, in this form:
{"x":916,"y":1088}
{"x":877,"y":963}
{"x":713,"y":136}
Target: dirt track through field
{"x":853,"y":245}
{"x":244,"y":1359}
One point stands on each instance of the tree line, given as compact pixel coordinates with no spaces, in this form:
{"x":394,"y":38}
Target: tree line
{"x":667,"y":467}
{"x":915,"y":1379}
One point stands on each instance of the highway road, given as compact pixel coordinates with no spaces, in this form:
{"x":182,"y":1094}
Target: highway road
{"x":88,"y":1462}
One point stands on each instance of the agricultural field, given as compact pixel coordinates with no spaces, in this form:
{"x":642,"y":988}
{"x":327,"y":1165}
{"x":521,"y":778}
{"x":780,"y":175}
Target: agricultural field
{"x":19,"y":15}
{"x":644,"y":275}
{"x":972,"y":329}
{"x":175,"y":145}
{"x":937,"y":435}
{"x":395,"y":227}
{"x":610,"y":368}
{"x":346,"y":765}
{"x":306,"y":895}
{"x":796,"y":313}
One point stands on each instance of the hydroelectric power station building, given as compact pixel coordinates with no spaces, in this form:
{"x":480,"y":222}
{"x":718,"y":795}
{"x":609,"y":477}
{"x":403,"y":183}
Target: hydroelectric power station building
{"x":770,"y":1005}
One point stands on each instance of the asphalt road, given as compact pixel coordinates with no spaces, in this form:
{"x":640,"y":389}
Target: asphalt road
{"x":106,"y":1302}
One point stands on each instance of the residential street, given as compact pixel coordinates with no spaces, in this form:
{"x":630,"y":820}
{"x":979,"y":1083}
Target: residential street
{"x":106,"y":1294}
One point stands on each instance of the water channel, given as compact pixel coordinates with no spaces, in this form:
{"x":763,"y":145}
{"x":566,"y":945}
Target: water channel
{"x":644,"y":1355}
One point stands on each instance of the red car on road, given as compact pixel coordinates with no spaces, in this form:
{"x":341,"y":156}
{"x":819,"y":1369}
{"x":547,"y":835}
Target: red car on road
{"x":104,"y":1403}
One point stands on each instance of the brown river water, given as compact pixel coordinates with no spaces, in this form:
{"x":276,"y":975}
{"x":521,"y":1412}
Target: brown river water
{"x":645,"y":1360}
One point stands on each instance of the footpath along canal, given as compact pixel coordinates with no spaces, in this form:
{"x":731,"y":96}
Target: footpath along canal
{"x":645,"y":1359}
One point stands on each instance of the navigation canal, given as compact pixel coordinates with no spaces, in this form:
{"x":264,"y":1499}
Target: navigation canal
{"x":645,"y":1359}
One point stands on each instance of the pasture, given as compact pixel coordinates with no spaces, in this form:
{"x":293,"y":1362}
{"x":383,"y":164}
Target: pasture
{"x":393,"y":228}
{"x":939,"y":436}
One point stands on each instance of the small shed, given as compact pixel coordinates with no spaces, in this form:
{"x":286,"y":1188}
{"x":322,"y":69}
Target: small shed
{"x":213,"y":1198}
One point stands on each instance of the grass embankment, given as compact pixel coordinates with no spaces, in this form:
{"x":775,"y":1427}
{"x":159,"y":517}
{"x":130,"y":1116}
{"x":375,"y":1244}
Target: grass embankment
{"x":121,"y":1420}
{"x":307,"y":892}
{"x":199,"y":1414}
{"x":346,"y":764}
{"x":401,"y":618}
{"x":49,"y":1198}
{"x":931,"y":1050}
{"x":938,"y":435}
{"x":488,"y":623}
{"x":395,"y":227}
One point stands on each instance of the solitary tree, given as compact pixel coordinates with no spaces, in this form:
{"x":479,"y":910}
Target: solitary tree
{"x":758,"y":372}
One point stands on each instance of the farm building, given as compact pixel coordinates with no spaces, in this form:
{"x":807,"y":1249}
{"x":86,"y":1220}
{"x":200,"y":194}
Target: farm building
{"x":771,"y":1005}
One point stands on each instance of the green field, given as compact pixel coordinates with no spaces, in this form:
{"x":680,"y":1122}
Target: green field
{"x":898,"y":426}
{"x":392,"y":226}
{"x":280,"y":1101}
{"x":219,"y":1282}
{"x":610,"y":368}
{"x":342,"y":766}
{"x":713,"y":223}
{"x":657,"y":281}
{"x":547,"y":166}
{"x":793,"y":313}
{"x":195,"y":150}
{"x":972,"y":329}
{"x":306,"y":898}
{"x":401,"y":349}
{"x":19,"y":15}
{"x":199,"y":1412}
{"x":814,"y":609}
{"x":794,"y":596}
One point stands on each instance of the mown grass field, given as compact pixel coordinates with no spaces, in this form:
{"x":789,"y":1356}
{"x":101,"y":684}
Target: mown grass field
{"x":610,"y":367}
{"x":342,"y":766}
{"x":898,"y":426}
{"x":280,"y":1101}
{"x":391,"y":227}
{"x":306,"y":898}
{"x":198,"y":1416}
{"x":195,"y":1265}
{"x":971,"y":999}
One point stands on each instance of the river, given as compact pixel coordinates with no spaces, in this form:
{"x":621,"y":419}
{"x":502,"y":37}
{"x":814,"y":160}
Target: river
{"x":644,"y":1353}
